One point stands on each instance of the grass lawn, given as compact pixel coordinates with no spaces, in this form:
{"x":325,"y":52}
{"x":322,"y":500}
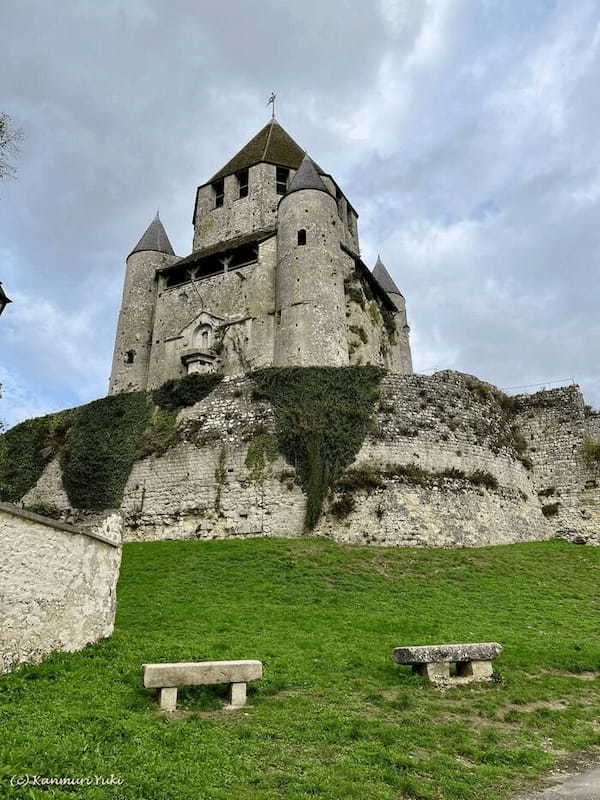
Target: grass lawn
{"x":333,"y":717}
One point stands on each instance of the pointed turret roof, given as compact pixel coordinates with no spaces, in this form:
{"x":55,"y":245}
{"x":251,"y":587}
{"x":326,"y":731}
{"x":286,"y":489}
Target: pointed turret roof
{"x":384,"y":279}
{"x":307,"y":177}
{"x":155,"y":238}
{"x":272,"y":144}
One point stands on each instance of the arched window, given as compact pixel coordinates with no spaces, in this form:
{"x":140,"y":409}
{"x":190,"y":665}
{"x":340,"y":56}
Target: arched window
{"x":301,"y":236}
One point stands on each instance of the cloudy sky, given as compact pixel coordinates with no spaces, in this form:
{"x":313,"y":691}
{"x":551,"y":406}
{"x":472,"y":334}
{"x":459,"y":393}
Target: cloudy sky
{"x":465,"y":132}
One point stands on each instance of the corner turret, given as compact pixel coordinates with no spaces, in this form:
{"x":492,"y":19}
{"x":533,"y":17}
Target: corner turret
{"x":154,"y":239}
{"x":134,"y":332}
{"x":402,"y":350}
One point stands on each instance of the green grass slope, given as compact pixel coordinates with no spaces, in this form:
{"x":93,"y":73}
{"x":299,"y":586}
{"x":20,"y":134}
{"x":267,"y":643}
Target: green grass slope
{"x":334,"y":717}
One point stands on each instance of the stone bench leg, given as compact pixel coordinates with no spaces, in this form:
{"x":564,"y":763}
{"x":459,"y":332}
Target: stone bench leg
{"x":434,"y":672}
{"x":477,"y":670}
{"x":237,"y":695}
{"x":168,"y":699}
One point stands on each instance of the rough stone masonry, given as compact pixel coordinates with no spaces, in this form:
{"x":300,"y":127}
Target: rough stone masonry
{"x":204,"y":487}
{"x":275,"y":278}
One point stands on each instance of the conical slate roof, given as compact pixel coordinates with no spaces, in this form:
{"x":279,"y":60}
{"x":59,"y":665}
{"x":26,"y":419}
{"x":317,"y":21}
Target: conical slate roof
{"x":155,"y":238}
{"x":272,"y":144}
{"x":307,"y":177}
{"x":384,"y":279}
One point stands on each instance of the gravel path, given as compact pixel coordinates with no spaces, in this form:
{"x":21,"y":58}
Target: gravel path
{"x":584,"y":786}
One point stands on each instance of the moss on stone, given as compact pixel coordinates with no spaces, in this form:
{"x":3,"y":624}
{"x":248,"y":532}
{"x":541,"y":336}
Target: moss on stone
{"x":590,"y":450}
{"x":359,"y":331}
{"x":371,"y":476}
{"x":356,"y":296}
{"x":262,"y":451}
{"x":374,"y":313}
{"x":160,"y":435}
{"x":550,"y":510}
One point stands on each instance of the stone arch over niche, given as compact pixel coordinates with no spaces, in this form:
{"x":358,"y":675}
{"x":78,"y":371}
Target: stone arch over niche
{"x":202,"y":337}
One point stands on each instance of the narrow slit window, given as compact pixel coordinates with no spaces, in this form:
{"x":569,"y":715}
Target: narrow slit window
{"x":242,"y":177}
{"x":219,"y":190}
{"x":282,"y":179}
{"x":301,"y":236}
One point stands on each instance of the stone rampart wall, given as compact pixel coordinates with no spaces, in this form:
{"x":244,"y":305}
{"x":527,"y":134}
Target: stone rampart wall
{"x":207,"y":487}
{"x":556,"y":425}
{"x":58,"y":585}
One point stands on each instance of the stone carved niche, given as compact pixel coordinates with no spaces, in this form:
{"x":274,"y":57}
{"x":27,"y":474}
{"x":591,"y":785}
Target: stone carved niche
{"x":197,"y":343}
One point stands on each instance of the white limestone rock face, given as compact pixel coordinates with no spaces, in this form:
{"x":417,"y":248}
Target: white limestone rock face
{"x":58,"y":585}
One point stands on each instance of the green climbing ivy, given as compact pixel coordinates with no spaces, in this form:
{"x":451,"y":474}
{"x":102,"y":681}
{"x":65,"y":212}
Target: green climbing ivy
{"x":182,"y":392}
{"x":100,"y":449}
{"x":262,"y":451}
{"x":26,"y":449}
{"x":322,"y":418}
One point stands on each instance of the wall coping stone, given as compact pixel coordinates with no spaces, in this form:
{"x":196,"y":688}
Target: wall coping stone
{"x":9,"y":508}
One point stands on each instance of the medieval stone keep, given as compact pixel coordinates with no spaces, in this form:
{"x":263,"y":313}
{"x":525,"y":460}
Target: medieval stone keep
{"x":275,"y":278}
{"x":340,"y":440}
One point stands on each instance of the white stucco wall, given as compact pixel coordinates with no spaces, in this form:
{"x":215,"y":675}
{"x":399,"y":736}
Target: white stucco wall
{"x":57,"y":585}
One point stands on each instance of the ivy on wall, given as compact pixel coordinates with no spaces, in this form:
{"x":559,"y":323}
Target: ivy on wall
{"x":262,"y":451}
{"x":100,"y":449}
{"x":322,"y":418}
{"x":97,"y":443}
{"x":26,"y":449}
{"x":183,"y":392}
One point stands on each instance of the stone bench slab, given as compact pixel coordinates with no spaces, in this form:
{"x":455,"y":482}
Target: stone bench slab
{"x":447,"y":653}
{"x":201,"y":673}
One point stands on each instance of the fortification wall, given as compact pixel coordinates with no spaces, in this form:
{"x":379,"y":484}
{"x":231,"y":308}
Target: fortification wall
{"x":556,"y":424}
{"x":58,"y":585}
{"x":210,"y":485}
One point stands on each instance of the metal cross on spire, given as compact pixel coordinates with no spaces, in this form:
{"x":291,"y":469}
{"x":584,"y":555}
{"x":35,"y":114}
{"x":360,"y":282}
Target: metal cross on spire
{"x":271,"y":101}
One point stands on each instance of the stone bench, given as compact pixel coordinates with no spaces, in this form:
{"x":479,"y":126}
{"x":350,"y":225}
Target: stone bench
{"x":473,"y":661}
{"x":168,"y":677}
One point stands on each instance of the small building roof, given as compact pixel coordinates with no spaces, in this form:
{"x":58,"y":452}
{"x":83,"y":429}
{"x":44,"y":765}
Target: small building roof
{"x":155,"y":238}
{"x":272,"y":144}
{"x":307,"y":177}
{"x":258,"y":236}
{"x":384,"y":279}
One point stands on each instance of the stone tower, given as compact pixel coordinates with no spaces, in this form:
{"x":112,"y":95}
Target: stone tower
{"x":310,"y":304}
{"x":403,"y":358}
{"x":133,"y":343}
{"x":275,"y":277}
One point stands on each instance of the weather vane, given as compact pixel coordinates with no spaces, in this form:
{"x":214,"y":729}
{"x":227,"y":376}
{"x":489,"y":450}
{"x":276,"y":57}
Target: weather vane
{"x":271,"y":101}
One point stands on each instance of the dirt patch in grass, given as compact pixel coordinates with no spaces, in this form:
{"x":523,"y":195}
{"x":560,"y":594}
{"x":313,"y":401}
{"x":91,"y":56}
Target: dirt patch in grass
{"x":550,"y":705}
